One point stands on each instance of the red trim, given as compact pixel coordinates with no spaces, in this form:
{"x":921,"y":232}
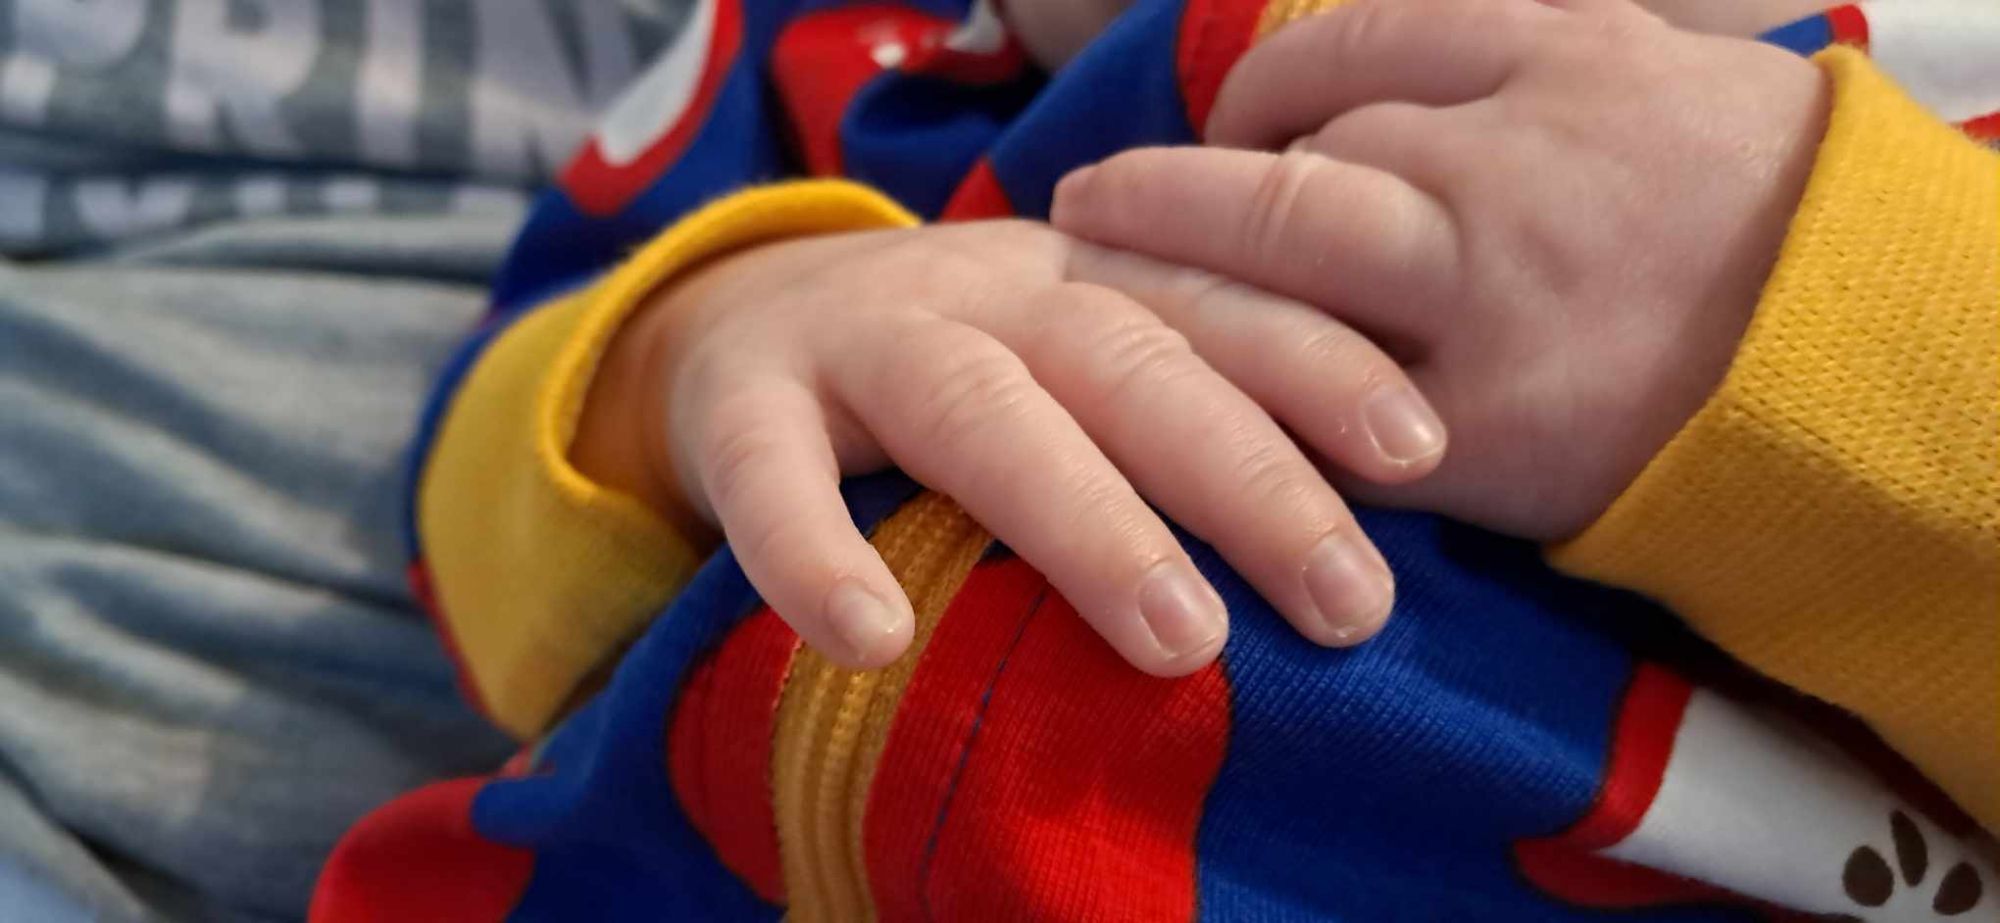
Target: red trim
{"x":419,"y":859}
{"x":1213,"y":35}
{"x":1641,"y":745}
{"x":719,"y":749}
{"x":1569,"y":865}
{"x":1849,"y":26}
{"x":1586,"y":879}
{"x":599,"y":187}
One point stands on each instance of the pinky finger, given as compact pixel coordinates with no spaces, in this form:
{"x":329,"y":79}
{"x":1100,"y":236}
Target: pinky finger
{"x":766,"y":465}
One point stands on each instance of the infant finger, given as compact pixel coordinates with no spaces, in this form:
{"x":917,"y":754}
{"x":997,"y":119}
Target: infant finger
{"x":1478,"y":481}
{"x":1340,"y":392}
{"x":961,"y":414}
{"x":1206,"y":454}
{"x":765,"y":464}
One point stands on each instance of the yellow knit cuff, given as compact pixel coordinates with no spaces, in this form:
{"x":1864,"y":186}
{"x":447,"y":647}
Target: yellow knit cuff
{"x":540,"y":573}
{"x":1832,"y":515}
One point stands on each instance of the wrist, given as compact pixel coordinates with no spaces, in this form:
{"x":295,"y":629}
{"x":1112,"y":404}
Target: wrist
{"x":1736,"y":253}
{"x":621,"y":435}
{"x":620,"y":439}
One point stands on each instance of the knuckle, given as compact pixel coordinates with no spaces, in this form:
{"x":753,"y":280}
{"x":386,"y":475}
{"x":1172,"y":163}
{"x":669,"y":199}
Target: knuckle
{"x":1591,"y":41}
{"x":1121,"y":343}
{"x":1344,"y":351}
{"x":971,"y":393}
{"x":730,"y":462}
{"x":1081,"y":312}
{"x":1393,"y":131}
{"x":980,"y":248}
{"x":1104,"y":515}
{"x":1275,"y":474}
{"x":934,"y":265}
{"x":1142,"y":354}
{"x":1274,"y":205}
{"x":1415,"y":238}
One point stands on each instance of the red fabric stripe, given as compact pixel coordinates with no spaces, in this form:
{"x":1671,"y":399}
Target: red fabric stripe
{"x":418,"y":859}
{"x":418,"y":574}
{"x":1078,"y":795}
{"x":933,"y":723}
{"x":719,"y":749}
{"x":978,"y":196}
{"x":1214,"y":33}
{"x":1849,"y":25}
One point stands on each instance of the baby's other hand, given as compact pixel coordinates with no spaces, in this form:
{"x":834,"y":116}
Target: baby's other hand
{"x":1048,"y":386}
{"x":1559,"y":214}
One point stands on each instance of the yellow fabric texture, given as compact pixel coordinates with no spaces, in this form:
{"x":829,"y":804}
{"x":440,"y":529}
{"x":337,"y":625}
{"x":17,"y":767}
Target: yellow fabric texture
{"x":833,"y":723}
{"x":1832,"y":515}
{"x":540,"y":573}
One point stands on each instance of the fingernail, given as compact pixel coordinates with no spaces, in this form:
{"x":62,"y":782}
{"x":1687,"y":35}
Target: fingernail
{"x":1351,"y":587}
{"x":1183,"y":612}
{"x":868,"y":625}
{"x":1402,"y":425}
{"x":1069,"y":189}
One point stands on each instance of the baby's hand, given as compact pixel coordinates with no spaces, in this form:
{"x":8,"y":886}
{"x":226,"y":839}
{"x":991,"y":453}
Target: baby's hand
{"x":998,"y":364}
{"x":1559,"y":214}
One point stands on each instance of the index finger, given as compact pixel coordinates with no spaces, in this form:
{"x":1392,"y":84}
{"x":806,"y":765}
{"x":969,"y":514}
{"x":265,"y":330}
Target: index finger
{"x":1335,"y":234}
{"x":1430,"y":52}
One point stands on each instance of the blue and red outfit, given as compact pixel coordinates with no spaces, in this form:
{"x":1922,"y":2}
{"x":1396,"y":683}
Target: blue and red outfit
{"x":1510,"y":748}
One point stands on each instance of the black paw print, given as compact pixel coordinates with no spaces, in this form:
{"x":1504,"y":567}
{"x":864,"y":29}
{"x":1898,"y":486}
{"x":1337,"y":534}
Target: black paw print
{"x":1870,"y":882}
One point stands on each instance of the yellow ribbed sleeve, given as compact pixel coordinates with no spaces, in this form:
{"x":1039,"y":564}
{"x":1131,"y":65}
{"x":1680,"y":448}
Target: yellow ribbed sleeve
{"x":1832,"y":515}
{"x":539,"y":573}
